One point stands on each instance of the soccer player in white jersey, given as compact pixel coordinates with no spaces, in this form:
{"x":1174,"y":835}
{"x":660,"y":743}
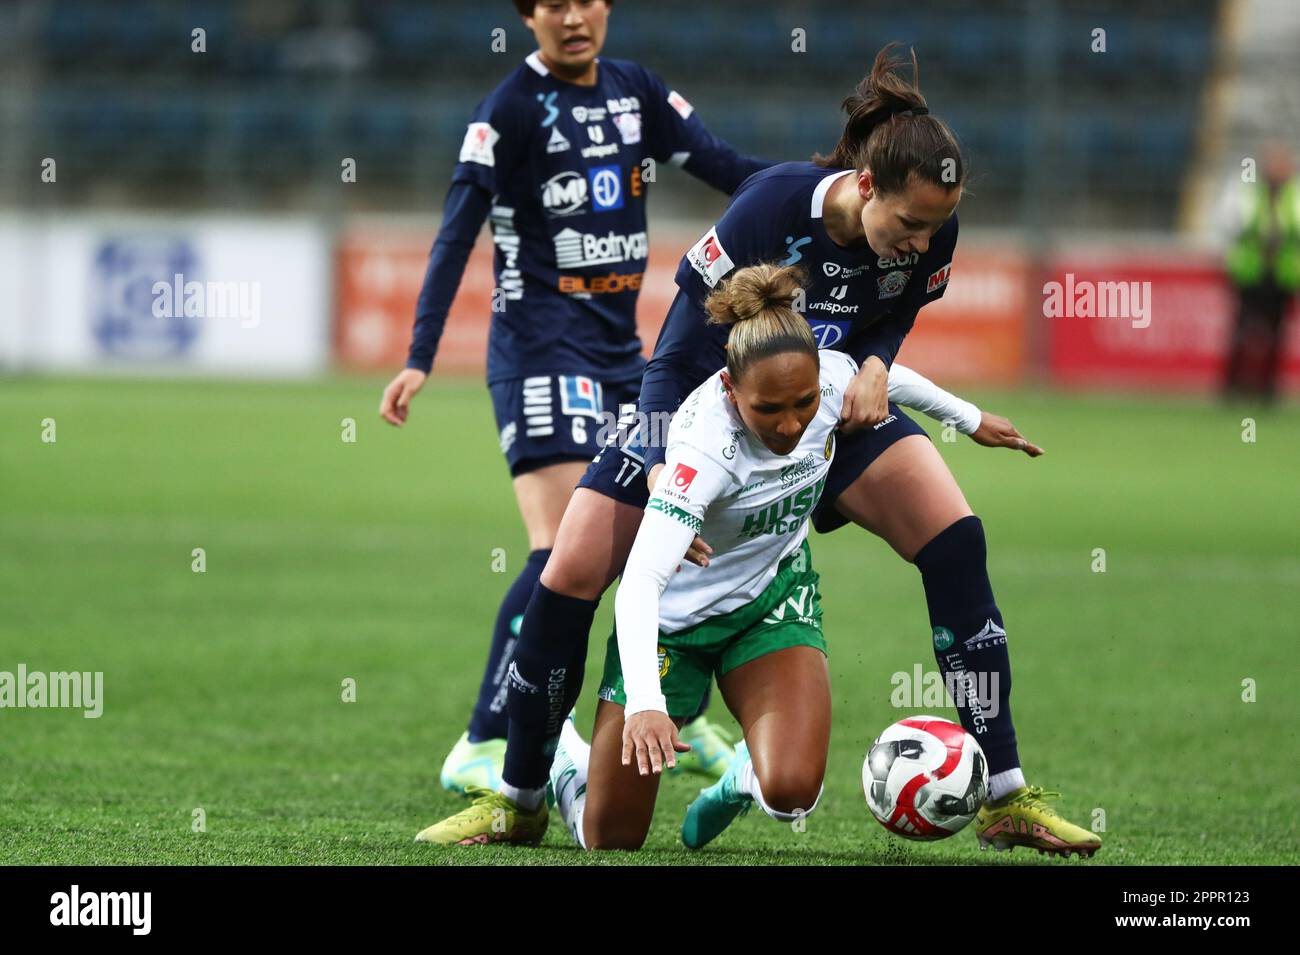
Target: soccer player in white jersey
{"x":747,"y":457}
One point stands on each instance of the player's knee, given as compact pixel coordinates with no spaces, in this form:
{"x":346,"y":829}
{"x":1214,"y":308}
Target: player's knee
{"x":791,"y":792}
{"x":614,"y":835}
{"x":572,"y":575}
{"x":960,"y":543}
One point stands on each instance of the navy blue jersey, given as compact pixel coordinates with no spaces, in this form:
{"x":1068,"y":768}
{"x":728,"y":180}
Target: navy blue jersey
{"x":855,"y":300}
{"x":563,"y":165}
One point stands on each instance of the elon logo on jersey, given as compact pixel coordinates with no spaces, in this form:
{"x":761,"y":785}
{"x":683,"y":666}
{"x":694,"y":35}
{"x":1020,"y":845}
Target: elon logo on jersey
{"x":683,"y":477}
{"x":829,"y":334}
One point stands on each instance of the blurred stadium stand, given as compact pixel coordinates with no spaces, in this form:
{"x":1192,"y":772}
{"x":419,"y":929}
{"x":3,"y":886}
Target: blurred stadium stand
{"x":287,"y":89}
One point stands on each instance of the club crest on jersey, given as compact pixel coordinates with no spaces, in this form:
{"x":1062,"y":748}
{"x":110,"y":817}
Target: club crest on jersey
{"x":830,"y":446}
{"x":580,"y":396}
{"x":682,"y":477}
{"x":665,"y":661}
{"x":709,"y":258}
{"x":477,"y":147}
{"x":891,"y":284}
{"x":938,"y":279}
{"x":629,"y":127}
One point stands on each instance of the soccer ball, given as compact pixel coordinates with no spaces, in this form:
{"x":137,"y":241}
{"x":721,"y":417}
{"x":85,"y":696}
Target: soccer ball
{"x":925,"y":778}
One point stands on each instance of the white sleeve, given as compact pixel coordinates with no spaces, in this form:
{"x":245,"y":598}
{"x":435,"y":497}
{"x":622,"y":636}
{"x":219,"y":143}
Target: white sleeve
{"x":913,"y":390}
{"x":689,"y":482}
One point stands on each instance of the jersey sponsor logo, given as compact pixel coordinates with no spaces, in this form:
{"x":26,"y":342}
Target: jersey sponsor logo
{"x":891,"y":284}
{"x":564,"y":194}
{"x":557,"y":143}
{"x":792,"y":474}
{"x":678,"y":102}
{"x":477,"y":147}
{"x":580,"y":395}
{"x":829,"y":334}
{"x":990,"y":636}
{"x":888,"y":263}
{"x":839,"y":292}
{"x":584,"y":286}
{"x":888,"y":421}
{"x":606,"y":187}
{"x":596,"y":134}
{"x":597,"y":152}
{"x":830,"y":446}
{"x":629,"y":127}
{"x":834,"y":269}
{"x":729,"y":451}
{"x":588,"y":114}
{"x":793,"y":247}
{"x":709,"y":258}
{"x":938,"y":279}
{"x":624,"y":104}
{"x":548,"y":100}
{"x":683,"y":476}
{"x":576,"y":250}
{"x":785,"y":515}
{"x":835,"y":308}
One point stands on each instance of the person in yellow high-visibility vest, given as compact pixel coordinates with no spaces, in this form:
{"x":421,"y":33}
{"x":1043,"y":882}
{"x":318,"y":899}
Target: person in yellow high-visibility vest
{"x":1263,"y":264}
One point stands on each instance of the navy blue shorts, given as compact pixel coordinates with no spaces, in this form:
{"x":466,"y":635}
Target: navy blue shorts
{"x":619,"y":470}
{"x":546,"y":419}
{"x":853,"y":455}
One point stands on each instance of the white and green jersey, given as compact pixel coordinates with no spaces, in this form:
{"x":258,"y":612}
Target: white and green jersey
{"x":750,"y":504}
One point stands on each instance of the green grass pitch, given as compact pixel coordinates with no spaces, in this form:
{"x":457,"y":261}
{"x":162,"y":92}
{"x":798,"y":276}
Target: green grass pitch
{"x":372,"y":561}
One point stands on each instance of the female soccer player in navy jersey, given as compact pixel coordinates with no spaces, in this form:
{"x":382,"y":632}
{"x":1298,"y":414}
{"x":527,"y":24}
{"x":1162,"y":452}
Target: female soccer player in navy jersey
{"x":555,"y":157}
{"x":874,"y":225}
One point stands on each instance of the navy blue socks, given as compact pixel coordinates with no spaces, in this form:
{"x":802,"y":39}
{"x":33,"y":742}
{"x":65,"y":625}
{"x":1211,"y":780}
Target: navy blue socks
{"x":970,"y":643}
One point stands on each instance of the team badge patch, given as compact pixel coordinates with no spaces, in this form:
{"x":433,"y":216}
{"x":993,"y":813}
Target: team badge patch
{"x":891,"y":284}
{"x":629,"y":127}
{"x":678,"y":102}
{"x":830,"y":446}
{"x":709,"y":258}
{"x":580,"y":396}
{"x":939,"y":279}
{"x":480,"y":138}
{"x":665,"y":661}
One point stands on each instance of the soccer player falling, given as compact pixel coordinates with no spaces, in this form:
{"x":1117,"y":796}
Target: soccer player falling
{"x":874,"y":225}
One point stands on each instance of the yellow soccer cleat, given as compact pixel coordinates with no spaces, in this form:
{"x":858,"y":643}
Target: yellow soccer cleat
{"x":491,"y":817}
{"x":1023,"y":818}
{"x":473,"y":765}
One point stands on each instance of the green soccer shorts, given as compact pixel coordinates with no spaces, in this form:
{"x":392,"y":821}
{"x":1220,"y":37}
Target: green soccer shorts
{"x":788,"y":613}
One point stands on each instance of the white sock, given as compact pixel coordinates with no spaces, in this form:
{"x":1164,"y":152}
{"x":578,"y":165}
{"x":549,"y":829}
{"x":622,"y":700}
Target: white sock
{"x":1007,"y":781}
{"x":528,"y":799}
{"x":569,"y":779}
{"x":747,"y":783}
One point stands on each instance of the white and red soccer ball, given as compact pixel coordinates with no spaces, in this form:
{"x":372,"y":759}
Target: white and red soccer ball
{"x":925,"y":778}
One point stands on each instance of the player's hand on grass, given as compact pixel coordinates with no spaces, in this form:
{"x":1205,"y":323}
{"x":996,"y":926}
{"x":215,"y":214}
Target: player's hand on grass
{"x":699,"y":551}
{"x":996,"y":431}
{"x":651,"y":737}
{"x":396,"y":403}
{"x":866,"y":399}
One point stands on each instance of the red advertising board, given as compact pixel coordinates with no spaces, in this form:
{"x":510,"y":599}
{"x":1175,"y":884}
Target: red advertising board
{"x":1173,"y":334}
{"x":973,"y":334}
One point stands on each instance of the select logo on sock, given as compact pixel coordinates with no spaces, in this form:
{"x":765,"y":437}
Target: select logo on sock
{"x":991,"y":636}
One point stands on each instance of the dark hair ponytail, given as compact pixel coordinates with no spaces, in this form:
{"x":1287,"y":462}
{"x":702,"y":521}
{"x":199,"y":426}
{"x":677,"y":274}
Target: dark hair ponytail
{"x":891,"y":132}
